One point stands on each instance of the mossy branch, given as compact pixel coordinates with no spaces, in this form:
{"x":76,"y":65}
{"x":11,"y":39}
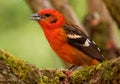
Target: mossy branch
{"x":16,"y":71}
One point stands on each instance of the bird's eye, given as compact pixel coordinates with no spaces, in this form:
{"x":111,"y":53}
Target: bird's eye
{"x":47,"y":15}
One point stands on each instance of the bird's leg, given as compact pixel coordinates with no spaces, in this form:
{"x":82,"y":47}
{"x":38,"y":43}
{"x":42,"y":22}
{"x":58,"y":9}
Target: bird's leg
{"x":73,"y":67}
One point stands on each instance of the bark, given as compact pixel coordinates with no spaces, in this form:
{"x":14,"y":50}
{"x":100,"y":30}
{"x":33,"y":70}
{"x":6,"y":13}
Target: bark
{"x":114,"y":9}
{"x":16,"y":71}
{"x":37,"y":5}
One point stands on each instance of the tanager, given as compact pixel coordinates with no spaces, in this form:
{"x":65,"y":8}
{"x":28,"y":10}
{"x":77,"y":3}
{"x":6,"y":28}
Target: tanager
{"x":67,"y":40}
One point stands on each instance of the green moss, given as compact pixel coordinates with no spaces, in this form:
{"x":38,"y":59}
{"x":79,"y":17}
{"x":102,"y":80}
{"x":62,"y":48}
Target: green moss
{"x":52,"y":76}
{"x":58,"y":75}
{"x":110,"y":72}
{"x":88,"y":74}
{"x":103,"y":73}
{"x":18,"y":67}
{"x":46,"y":80}
{"x":81,"y":76}
{"x":13,"y":62}
{"x":28,"y":72}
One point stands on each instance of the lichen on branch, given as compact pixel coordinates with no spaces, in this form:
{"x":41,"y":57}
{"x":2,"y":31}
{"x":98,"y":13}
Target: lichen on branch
{"x":14,"y":70}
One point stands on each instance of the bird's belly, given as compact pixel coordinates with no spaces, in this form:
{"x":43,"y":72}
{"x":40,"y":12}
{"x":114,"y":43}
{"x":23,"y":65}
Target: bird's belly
{"x":72,"y":55}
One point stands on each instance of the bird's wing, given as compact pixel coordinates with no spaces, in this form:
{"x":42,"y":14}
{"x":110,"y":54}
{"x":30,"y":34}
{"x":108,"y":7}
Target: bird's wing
{"x":79,"y":40}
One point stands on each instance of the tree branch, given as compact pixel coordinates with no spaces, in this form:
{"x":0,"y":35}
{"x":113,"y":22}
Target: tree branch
{"x":114,"y":9}
{"x":37,"y":5}
{"x":14,"y":70}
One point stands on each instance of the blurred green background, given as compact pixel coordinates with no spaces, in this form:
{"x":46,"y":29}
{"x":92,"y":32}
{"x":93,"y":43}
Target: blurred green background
{"x":24,"y":38}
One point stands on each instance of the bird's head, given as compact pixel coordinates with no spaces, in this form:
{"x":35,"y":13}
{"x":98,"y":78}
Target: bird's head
{"x":49,"y":18}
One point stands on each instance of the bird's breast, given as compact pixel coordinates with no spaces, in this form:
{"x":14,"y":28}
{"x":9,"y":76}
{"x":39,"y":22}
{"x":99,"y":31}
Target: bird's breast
{"x":56,"y":38}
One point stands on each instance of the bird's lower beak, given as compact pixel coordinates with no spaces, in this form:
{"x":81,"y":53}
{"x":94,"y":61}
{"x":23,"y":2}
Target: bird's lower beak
{"x":35,"y":17}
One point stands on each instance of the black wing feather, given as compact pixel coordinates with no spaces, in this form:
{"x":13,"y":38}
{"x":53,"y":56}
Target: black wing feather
{"x":91,"y":50}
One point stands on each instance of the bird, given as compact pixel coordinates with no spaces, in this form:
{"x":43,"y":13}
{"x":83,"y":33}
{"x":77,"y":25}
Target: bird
{"x":67,"y":40}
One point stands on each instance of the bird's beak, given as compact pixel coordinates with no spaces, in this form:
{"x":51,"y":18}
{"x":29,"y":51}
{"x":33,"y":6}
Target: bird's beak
{"x":35,"y":17}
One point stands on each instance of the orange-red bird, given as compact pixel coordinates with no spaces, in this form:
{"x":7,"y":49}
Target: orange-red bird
{"x":65,"y":38}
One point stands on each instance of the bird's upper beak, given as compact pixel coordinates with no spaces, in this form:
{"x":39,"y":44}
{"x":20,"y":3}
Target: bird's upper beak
{"x":36,"y":17}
